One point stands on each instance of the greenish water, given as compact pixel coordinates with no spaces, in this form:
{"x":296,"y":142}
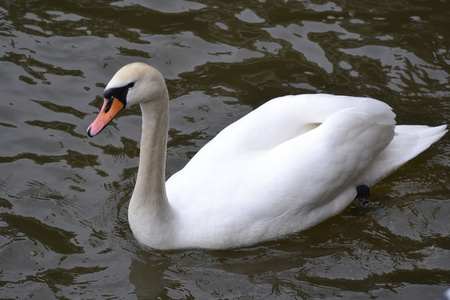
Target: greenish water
{"x":63,"y":197}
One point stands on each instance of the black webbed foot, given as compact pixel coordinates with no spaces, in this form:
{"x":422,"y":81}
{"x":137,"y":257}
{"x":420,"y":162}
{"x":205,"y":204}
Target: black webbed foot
{"x":363,"y":195}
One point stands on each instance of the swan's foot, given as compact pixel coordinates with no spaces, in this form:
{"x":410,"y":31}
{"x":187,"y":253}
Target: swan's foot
{"x":365,"y":203}
{"x":362,"y":194}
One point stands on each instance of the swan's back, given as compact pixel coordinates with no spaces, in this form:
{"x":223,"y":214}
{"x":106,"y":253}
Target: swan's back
{"x":289,"y":165}
{"x":284,"y":118}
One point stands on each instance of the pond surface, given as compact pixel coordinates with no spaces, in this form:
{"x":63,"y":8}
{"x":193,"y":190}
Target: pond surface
{"x":64,"y":232}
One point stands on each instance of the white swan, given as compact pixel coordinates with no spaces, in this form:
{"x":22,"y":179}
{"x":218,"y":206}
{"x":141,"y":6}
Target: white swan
{"x":288,"y":165}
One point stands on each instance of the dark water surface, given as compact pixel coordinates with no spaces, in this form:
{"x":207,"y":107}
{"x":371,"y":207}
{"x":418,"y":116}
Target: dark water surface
{"x":63,"y":197}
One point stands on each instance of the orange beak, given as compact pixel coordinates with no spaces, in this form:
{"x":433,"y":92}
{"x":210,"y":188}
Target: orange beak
{"x":110,"y":108}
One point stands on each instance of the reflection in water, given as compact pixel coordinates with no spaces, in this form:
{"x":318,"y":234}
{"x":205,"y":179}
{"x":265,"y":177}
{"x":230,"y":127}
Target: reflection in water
{"x":72,"y":158}
{"x":58,"y":240}
{"x":63,"y":197}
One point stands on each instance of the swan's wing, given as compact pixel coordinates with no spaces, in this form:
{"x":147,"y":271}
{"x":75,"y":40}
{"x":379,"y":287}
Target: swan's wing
{"x":315,"y":168}
{"x":291,"y":151}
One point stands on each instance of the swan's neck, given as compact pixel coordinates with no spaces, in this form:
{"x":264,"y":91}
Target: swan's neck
{"x":150,"y":185}
{"x":149,"y":210}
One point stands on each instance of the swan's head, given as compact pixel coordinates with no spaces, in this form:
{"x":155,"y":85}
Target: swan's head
{"x":133,"y":83}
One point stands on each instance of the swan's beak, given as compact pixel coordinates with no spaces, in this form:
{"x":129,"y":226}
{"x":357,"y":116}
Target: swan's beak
{"x":111,"y":107}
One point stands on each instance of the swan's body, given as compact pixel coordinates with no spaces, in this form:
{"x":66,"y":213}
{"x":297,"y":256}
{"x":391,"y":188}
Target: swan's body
{"x":286,"y":166}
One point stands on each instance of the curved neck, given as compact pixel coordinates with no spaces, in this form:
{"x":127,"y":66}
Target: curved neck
{"x":149,"y":196}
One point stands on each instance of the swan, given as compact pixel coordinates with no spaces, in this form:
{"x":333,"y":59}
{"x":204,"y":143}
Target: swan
{"x":286,"y":166}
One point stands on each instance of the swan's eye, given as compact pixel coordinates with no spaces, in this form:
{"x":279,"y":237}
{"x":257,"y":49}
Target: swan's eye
{"x":130,"y":85}
{"x":109,"y":104}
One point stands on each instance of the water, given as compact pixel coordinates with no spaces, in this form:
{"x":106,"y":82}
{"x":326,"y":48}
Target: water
{"x":63,"y":197}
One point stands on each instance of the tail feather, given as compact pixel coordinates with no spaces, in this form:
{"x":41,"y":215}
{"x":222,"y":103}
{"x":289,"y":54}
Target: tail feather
{"x":409,"y":141}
